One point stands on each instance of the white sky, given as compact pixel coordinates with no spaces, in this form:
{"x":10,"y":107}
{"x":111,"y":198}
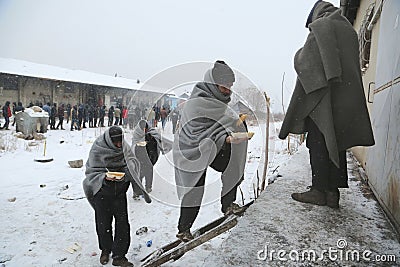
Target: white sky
{"x":138,"y":39}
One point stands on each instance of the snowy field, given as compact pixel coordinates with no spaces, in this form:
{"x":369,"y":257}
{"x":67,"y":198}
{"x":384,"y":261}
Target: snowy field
{"x":46,"y":221}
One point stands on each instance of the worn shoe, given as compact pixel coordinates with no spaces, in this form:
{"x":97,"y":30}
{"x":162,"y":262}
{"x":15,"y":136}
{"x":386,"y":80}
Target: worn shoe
{"x":313,"y":196}
{"x":332,"y":198}
{"x":104,"y":257}
{"x":234,"y":209}
{"x":185,"y":236}
{"x":136,"y":196}
{"x":122,"y":261}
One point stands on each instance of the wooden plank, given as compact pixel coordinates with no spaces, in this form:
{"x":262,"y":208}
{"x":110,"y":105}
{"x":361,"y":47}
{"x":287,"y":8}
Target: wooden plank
{"x":163,"y":251}
{"x":175,"y":243}
{"x":176,"y":253}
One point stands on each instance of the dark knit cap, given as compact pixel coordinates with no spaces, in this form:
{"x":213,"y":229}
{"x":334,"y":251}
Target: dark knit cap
{"x":115,"y":134}
{"x":309,"y":18}
{"x":222,"y":73}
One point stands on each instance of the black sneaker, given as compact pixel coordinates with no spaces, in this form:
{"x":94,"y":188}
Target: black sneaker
{"x":313,"y":196}
{"x":185,"y":236}
{"x":122,"y":261}
{"x":104,"y":257}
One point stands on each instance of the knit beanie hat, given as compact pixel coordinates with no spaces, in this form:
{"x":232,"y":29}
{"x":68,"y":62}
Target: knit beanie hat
{"x":115,"y":134}
{"x":222,"y":73}
{"x":310,"y":16}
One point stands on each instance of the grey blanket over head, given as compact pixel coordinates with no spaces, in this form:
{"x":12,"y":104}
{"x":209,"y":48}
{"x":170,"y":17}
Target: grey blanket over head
{"x":204,"y":126}
{"x":164,"y":145}
{"x":329,"y":87}
{"x":105,"y":155}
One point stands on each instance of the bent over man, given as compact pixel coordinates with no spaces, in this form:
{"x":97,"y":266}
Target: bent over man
{"x":204,"y":140}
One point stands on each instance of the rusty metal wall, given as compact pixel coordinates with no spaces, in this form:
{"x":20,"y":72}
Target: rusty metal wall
{"x":383,"y":160}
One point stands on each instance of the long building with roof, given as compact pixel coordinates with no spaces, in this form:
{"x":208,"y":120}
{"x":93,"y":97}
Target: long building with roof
{"x":27,"y":82}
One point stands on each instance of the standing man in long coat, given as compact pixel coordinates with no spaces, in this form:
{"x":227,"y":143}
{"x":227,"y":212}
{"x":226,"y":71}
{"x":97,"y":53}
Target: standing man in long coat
{"x":328,"y":102}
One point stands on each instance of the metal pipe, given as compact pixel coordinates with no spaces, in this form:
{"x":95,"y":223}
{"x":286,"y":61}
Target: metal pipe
{"x":376,"y":16}
{"x":343,"y":6}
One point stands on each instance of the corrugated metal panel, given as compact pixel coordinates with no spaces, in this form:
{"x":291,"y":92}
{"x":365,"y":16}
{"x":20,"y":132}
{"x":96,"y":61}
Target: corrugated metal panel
{"x":383,"y":160}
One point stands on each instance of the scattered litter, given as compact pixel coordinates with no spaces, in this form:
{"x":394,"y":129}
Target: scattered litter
{"x":76,"y":163}
{"x":72,"y":249}
{"x":94,"y":253}
{"x":61,"y":260}
{"x":141,"y":230}
{"x":12,"y":199}
{"x":65,"y":187}
{"x":42,"y":185}
{"x":149,"y":243}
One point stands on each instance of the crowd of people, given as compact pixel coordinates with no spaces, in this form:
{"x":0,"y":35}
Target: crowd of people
{"x":81,"y":116}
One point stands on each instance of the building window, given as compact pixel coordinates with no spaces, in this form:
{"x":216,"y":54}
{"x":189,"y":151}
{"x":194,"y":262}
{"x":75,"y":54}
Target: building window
{"x":364,"y":39}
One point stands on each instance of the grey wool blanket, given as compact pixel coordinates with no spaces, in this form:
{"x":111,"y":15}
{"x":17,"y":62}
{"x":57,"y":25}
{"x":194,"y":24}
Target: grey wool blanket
{"x":105,"y":155}
{"x":164,"y":145}
{"x":205,"y":124}
{"x":329,"y":87}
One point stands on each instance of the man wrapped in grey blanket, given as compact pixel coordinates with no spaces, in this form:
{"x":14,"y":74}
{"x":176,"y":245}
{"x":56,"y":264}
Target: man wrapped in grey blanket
{"x":107,"y":195}
{"x":204,"y":139}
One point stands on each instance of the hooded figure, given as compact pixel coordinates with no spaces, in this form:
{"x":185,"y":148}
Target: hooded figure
{"x":203,"y":139}
{"x":147,"y":144}
{"x":107,"y":195}
{"x":328,"y":102}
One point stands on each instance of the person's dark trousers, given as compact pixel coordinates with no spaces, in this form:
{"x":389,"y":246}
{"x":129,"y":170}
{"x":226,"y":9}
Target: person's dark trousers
{"x":101,"y":122}
{"x":60,"y":122}
{"x":52,"y":123}
{"x":116,"y":121}
{"x":174,"y":122}
{"x":325,"y":174}
{"x":7,"y":122}
{"x":106,"y":208}
{"x":146,"y":169}
{"x":191,"y":201}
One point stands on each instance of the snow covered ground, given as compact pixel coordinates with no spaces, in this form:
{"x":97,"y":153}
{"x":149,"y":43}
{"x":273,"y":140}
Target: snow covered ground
{"x":278,"y":231}
{"x":46,"y":221}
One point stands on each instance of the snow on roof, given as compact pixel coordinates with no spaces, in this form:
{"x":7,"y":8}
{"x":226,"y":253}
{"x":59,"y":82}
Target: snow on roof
{"x":25,"y":68}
